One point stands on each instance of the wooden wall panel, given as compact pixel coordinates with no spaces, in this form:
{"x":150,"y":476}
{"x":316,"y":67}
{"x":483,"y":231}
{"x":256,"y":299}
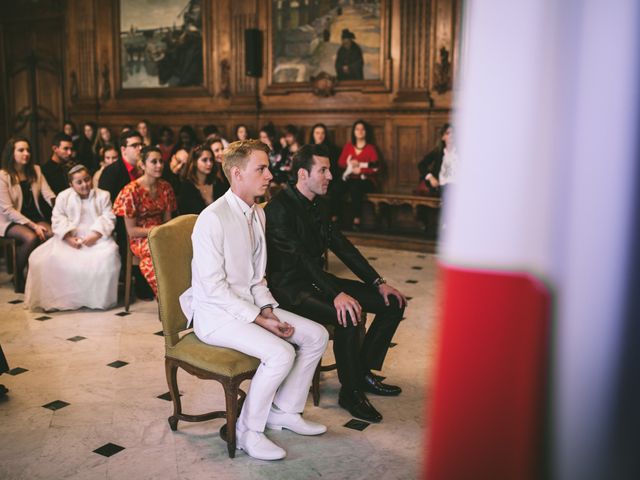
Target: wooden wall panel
{"x":405,"y":114}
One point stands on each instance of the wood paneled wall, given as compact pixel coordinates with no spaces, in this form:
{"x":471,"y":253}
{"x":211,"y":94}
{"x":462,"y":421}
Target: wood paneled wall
{"x":406,"y":109}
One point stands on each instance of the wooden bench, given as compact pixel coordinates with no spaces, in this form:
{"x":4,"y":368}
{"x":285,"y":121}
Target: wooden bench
{"x":399,"y":199}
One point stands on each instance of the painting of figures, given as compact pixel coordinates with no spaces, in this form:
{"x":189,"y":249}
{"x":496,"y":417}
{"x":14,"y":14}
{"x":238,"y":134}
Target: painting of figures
{"x":339,"y":37}
{"x":160,"y":43}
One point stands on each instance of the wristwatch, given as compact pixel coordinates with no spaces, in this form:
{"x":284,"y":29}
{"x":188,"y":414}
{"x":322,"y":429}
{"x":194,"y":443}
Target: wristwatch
{"x":379,"y":281}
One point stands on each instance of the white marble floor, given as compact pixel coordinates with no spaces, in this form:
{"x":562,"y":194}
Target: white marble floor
{"x":121,"y":405}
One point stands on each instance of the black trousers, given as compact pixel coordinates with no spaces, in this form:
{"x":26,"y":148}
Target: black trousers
{"x":353,"y":356}
{"x":357,"y":188}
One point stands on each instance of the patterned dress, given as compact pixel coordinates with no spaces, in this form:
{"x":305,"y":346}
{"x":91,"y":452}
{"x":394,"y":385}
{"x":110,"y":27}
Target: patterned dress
{"x":134,"y":201}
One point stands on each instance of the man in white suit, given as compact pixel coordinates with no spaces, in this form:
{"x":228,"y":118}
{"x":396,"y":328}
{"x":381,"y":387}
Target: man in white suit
{"x":231,"y":305}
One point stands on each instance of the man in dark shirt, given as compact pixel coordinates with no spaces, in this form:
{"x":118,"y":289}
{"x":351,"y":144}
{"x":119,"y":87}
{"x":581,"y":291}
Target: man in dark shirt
{"x":298,"y":234}
{"x":55,"y":170}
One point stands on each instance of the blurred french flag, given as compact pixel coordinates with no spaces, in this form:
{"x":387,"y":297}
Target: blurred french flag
{"x":538,"y":368}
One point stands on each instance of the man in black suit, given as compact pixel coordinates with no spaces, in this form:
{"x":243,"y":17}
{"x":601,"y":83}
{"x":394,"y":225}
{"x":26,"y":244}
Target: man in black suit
{"x":113,"y":179}
{"x":298,"y":234}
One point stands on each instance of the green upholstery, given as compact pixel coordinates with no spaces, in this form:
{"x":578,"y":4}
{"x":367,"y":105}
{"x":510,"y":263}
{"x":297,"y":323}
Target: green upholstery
{"x":220,"y":360}
{"x":171,"y":252}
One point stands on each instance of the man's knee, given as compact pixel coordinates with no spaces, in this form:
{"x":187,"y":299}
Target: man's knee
{"x":280,"y":355}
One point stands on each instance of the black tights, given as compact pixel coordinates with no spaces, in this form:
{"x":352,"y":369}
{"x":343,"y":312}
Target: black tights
{"x":27,"y":241}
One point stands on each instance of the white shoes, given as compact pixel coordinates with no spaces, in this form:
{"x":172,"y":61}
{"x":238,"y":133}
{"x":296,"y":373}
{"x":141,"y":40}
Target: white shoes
{"x":294,"y":422}
{"x":257,"y":445}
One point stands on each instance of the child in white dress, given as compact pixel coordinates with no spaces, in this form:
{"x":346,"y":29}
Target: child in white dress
{"x":79,"y":266}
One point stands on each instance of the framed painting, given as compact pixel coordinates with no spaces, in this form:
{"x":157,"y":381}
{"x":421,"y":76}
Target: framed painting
{"x":347,"y":40}
{"x":160,"y":46}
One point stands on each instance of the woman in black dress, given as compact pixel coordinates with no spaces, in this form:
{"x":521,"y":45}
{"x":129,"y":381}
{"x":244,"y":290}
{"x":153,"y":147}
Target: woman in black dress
{"x":199,"y":187}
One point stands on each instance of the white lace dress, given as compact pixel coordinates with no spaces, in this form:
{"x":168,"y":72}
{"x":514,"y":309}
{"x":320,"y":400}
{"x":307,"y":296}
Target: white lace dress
{"x":61,"y":277}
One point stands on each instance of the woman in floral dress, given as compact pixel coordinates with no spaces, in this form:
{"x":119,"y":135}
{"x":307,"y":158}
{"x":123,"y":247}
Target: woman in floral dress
{"x":145,"y":203}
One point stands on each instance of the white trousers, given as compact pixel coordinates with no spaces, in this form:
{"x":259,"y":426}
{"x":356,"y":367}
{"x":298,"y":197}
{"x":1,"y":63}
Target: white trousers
{"x":284,"y":375}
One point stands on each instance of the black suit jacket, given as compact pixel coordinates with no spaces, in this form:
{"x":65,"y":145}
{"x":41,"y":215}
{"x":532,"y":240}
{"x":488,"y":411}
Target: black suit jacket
{"x":297,"y":239}
{"x":114,"y":178}
{"x":431,"y":163}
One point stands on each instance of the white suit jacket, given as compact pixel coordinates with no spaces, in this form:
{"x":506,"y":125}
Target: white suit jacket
{"x":66,"y":213}
{"x":227,"y":283}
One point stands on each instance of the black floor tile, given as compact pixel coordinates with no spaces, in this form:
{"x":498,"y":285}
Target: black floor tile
{"x":16,"y":301}
{"x":123,"y":314}
{"x":356,"y":424}
{"x":108,"y":449}
{"x":43,"y":318}
{"x":56,"y":405}
{"x":117,"y":364}
{"x":416,"y":267}
{"x":160,"y":333}
{"x":421,"y":256}
{"x":411,"y":281}
{"x":77,"y":338}
{"x":372,"y":258}
{"x":391,"y":345}
{"x":17,"y":371}
{"x":409,"y":298}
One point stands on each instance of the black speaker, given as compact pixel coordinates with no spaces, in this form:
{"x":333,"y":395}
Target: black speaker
{"x":253,"y":52}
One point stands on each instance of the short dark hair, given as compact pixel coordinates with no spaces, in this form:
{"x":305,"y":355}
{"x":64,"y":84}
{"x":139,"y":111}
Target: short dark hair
{"x":60,"y":137}
{"x":304,"y":158}
{"x":149,"y":149}
{"x":124,"y":136}
{"x":210,"y":129}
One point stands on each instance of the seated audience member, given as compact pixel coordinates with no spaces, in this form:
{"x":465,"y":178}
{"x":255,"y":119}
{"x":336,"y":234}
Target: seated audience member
{"x":359,"y":160}
{"x":109,"y":155}
{"x":212,"y":131}
{"x":217,"y":148}
{"x":437,"y":172}
{"x":113,"y":179}
{"x":144,"y":129}
{"x":4,"y":368}
{"x":55,"y":170}
{"x":298,"y":233}
{"x":84,"y":146}
{"x":267,"y":135}
{"x":166,"y":143}
{"x":437,"y":168}
{"x":22,"y":190}
{"x":320,"y":136}
{"x":145,"y":203}
{"x":103,"y":138}
{"x":69,"y":128}
{"x":187,"y":139}
{"x":241,"y":132}
{"x":231,"y":306}
{"x":199,"y":186}
{"x":174,"y":170}
{"x":282,"y":169}
{"x":79,"y":266}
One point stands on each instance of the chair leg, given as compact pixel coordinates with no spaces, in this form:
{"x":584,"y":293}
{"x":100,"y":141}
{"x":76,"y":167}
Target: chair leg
{"x":231,"y":401}
{"x":171,"y":369}
{"x":127,"y":281}
{"x":315,"y":385}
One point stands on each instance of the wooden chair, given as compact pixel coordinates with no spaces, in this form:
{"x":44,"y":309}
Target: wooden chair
{"x":128,"y":276}
{"x":9,"y":249}
{"x":315,"y":384}
{"x":171,"y":253}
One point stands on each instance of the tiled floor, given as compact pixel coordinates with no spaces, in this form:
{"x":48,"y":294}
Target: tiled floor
{"x":86,"y":398}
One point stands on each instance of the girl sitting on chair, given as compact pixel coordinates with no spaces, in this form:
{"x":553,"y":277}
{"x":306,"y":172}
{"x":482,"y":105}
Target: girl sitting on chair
{"x":79,"y":266}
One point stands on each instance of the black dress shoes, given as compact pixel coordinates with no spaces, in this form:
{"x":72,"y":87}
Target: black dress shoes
{"x":357,"y":404}
{"x":372,"y":385}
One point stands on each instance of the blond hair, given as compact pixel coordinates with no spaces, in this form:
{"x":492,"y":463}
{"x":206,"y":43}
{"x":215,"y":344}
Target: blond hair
{"x":237,"y":154}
